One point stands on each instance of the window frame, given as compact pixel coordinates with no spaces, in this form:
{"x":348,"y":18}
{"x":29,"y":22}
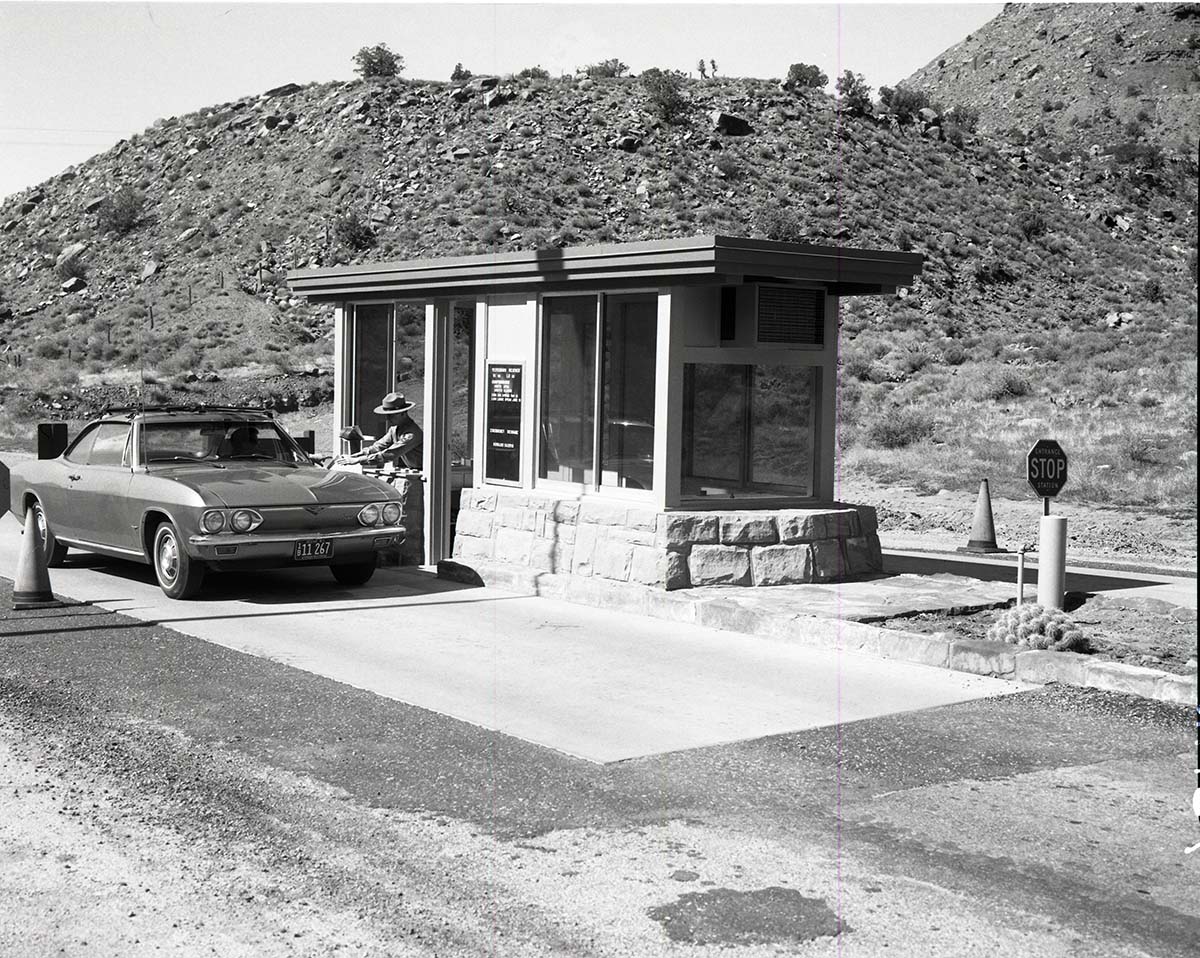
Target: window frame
{"x":595,"y":487}
{"x":124,"y":461}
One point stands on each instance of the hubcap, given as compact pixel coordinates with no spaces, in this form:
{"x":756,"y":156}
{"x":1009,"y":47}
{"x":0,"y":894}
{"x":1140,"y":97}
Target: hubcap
{"x":168,"y":557}
{"x":39,"y":517}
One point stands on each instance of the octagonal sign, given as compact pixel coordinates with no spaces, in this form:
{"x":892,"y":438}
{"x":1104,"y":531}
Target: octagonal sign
{"x":1047,"y":468}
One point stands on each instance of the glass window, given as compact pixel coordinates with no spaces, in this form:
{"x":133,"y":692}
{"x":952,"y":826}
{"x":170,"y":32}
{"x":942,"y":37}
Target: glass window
{"x":219,"y":441}
{"x":82,"y":446}
{"x":568,"y":389}
{"x":627,"y":406}
{"x":372,"y":366}
{"x":749,"y":429}
{"x":109,"y":446}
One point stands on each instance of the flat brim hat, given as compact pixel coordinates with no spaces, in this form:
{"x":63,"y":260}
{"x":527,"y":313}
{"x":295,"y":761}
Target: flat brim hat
{"x":393,"y":404}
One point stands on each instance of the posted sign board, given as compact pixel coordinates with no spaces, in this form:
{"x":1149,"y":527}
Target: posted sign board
{"x":502,"y":452}
{"x":1047,"y":468}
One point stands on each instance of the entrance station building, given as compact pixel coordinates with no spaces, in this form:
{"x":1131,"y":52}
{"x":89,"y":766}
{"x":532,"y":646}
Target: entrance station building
{"x":660,"y":413}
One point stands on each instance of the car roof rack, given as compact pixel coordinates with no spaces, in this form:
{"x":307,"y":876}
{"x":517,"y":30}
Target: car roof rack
{"x":187,"y":407}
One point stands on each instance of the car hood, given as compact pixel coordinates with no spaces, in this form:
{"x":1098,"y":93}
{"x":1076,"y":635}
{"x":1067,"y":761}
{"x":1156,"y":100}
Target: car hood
{"x":267,"y":485}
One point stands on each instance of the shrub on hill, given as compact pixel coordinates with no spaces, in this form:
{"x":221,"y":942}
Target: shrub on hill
{"x":121,"y":212}
{"x":854,"y":95}
{"x":664,"y":88}
{"x":805,"y":76}
{"x":460,"y":74}
{"x":534,"y":73}
{"x":897,"y":428}
{"x":606,"y":69}
{"x":780,"y":223}
{"x":903,"y":102}
{"x":353,"y":231}
{"x":377,"y":61}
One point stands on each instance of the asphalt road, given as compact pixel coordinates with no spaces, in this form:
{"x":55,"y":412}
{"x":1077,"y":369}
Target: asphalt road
{"x":161,"y":792}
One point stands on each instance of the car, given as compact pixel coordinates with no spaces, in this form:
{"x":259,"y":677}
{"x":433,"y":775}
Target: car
{"x":188,"y":489}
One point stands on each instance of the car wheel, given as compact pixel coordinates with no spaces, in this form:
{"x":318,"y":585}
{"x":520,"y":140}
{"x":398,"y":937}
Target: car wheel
{"x":179,"y":575}
{"x":53,"y":550}
{"x":357,"y":573}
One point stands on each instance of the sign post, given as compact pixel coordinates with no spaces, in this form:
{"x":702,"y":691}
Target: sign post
{"x":1046,"y":471}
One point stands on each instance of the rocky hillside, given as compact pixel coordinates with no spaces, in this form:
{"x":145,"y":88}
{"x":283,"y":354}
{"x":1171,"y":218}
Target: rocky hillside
{"x":1059,"y":272}
{"x":1104,"y":74}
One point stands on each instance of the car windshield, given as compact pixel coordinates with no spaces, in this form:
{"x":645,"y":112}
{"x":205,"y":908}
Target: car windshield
{"x":216,"y":441}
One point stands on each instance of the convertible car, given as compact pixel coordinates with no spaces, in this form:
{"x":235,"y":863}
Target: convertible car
{"x":190,"y":489}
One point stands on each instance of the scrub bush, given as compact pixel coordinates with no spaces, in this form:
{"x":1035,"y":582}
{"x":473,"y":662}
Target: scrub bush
{"x":377,"y":61}
{"x":121,"y":212}
{"x":460,"y":74}
{"x":355,"y":232}
{"x":854,"y":95}
{"x":897,"y":428}
{"x":805,"y":76}
{"x":1036,"y":627}
{"x":903,"y":102}
{"x":665,"y":90}
{"x":606,"y":69}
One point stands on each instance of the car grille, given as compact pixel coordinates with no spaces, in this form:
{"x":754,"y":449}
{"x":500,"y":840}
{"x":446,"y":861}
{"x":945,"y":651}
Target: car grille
{"x":298,"y":518}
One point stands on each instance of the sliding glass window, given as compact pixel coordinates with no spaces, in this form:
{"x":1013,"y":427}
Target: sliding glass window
{"x":620,"y":336}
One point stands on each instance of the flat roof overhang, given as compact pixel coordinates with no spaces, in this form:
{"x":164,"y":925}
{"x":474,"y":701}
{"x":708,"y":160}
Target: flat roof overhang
{"x":707,"y":260}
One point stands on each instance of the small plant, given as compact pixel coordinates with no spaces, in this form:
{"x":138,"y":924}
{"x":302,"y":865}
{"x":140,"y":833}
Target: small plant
{"x":1152,"y":290}
{"x":353,"y":231}
{"x":1005,"y":384}
{"x":903,"y":102}
{"x":121,"y":212}
{"x":606,"y":69}
{"x":460,"y":74}
{"x":898,"y":428}
{"x":805,"y":76}
{"x":702,"y":69}
{"x":729,"y":167}
{"x":72,"y":268}
{"x":377,"y":61}
{"x":665,"y":91}
{"x":780,"y":223}
{"x":966,"y":118}
{"x":534,"y":73}
{"x":1036,"y":627}
{"x":854,"y":95}
{"x":1031,"y":223}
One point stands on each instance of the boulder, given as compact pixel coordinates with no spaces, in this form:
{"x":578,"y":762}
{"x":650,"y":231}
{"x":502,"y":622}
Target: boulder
{"x":929,"y":116}
{"x":480,"y":84}
{"x":149,"y":269}
{"x":74,"y":284}
{"x":626,"y":142}
{"x":69,"y":254}
{"x":729,"y":124}
{"x":9,"y":226}
{"x":188,"y":234}
{"x":460,"y":153}
{"x":460,"y":94}
{"x":496,"y":98}
{"x":285,"y":90}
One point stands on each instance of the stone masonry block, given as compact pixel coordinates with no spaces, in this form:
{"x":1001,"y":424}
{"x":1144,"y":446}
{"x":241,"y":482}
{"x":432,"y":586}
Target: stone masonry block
{"x":1177,"y":688}
{"x":513,"y":545}
{"x":648,"y":565}
{"x":612,"y":560}
{"x":868,"y":520}
{"x":531,"y":520}
{"x":781,"y":565}
{"x":483,"y":501}
{"x":842,"y":524}
{"x":566,"y":512}
{"x":719,"y":565}
{"x":510,"y":518}
{"x":466,"y":547}
{"x":601,"y":512}
{"x":1041,"y":666}
{"x":677,"y":574}
{"x":1118,"y":677}
{"x":982,"y":658}
{"x":585,"y":546}
{"x":644,"y":520}
{"x":562,"y":531}
{"x":678,"y":530}
{"x":859,"y":558}
{"x":828,"y":562}
{"x":748,"y":530}
{"x":806,"y":526}
{"x":548,"y":555}
{"x":472,"y":523}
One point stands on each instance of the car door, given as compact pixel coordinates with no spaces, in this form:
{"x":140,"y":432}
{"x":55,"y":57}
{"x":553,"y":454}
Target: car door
{"x":59,"y":498}
{"x":102,"y":491}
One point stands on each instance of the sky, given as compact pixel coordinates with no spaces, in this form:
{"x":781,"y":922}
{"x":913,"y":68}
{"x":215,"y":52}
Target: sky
{"x":77,"y":77}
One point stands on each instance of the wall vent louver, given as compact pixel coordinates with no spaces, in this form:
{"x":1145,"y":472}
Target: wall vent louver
{"x":791,"y":316}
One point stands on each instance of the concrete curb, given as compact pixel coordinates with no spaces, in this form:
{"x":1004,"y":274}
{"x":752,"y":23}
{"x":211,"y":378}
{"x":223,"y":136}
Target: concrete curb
{"x":996,"y":659}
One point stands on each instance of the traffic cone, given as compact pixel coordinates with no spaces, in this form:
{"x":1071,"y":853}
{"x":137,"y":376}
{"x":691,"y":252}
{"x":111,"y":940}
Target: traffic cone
{"x":31,"y":587}
{"x":983,"y":529}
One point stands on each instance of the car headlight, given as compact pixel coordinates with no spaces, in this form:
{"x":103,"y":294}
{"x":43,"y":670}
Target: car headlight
{"x":245,"y":520}
{"x":368,"y":515}
{"x":212,"y":521}
{"x":391,"y":513}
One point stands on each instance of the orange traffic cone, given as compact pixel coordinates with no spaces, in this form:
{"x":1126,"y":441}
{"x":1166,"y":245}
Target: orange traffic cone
{"x":983,"y":529}
{"x":31,"y":587}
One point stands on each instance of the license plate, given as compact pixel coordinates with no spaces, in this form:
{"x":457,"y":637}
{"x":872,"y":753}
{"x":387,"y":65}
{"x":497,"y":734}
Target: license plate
{"x":313,"y":549}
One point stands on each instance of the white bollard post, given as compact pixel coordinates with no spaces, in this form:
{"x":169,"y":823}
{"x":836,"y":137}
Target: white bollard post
{"x":1052,"y":561}
{"x":1020,"y":576}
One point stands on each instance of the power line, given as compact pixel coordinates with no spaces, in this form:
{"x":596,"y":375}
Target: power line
{"x":57,"y":129}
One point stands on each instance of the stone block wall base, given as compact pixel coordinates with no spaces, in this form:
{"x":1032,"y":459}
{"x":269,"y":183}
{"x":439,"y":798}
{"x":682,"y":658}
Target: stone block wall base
{"x":616,"y":541}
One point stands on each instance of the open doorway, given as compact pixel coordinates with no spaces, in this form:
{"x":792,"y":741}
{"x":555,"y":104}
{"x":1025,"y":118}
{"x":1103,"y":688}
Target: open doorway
{"x":462,"y":404}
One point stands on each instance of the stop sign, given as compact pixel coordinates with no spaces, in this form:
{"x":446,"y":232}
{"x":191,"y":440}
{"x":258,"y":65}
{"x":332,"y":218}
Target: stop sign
{"x":1047,"y":467}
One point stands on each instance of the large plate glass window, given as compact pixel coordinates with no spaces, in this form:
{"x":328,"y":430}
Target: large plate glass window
{"x":373,"y":363}
{"x":610,"y":415}
{"x":749,"y":430}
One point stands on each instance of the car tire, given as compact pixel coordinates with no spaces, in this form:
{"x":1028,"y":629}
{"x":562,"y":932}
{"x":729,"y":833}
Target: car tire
{"x":356,"y":573}
{"x":179,"y":575}
{"x":53,"y":550}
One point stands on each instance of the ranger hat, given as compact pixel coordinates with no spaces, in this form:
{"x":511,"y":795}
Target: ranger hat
{"x":393,"y":404}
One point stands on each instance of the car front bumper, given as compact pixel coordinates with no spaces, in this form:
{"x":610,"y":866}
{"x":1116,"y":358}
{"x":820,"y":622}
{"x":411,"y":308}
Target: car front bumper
{"x":279,"y":549}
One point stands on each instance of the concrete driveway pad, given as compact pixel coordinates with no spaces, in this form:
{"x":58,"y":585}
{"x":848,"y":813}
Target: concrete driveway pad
{"x":599,"y":685}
